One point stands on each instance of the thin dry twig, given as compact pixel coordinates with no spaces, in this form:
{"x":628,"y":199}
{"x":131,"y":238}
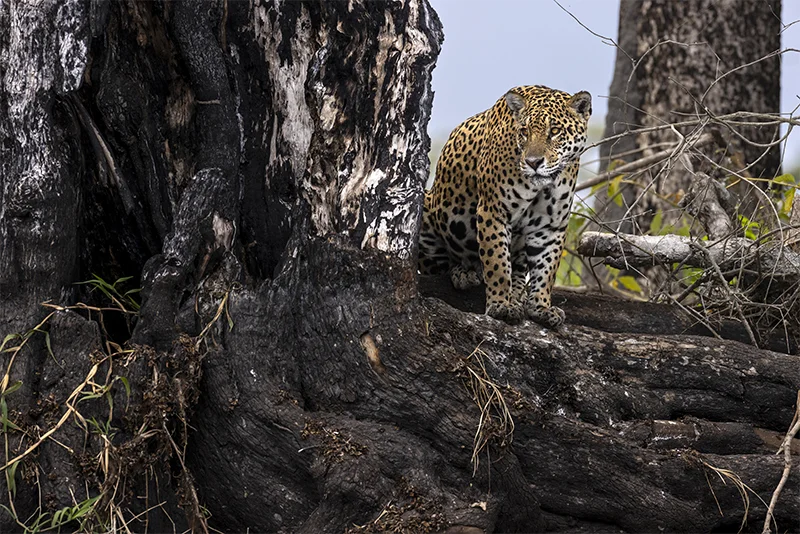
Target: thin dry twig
{"x":724,"y":284}
{"x":644,"y":162}
{"x":786,"y":449}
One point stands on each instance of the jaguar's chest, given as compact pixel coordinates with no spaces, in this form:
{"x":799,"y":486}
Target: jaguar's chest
{"x":518,"y":190}
{"x":517,"y":208}
{"x":519,"y":194}
{"x":540,"y":205}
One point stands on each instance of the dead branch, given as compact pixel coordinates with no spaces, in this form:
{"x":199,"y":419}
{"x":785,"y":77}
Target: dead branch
{"x":647,"y":161}
{"x":711,"y":203}
{"x":786,"y":449}
{"x":624,"y":251}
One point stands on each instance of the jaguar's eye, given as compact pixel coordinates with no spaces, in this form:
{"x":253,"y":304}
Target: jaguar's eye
{"x":523,"y":131}
{"x":554,"y":131}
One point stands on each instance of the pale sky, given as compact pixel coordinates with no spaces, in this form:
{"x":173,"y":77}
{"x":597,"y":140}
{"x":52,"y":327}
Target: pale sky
{"x":493,"y":45}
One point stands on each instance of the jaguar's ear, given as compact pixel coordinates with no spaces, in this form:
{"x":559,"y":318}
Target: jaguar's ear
{"x":582,"y":103}
{"x":516,"y":103}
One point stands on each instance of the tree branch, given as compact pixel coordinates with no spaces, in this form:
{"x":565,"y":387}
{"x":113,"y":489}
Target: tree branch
{"x":624,"y":251}
{"x":645,"y":162}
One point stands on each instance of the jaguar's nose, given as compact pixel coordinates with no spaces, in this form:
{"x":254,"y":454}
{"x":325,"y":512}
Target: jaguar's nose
{"x":534,"y":162}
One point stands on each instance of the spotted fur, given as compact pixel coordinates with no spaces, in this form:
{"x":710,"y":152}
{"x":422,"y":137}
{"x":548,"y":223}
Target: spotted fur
{"x":499,"y":206}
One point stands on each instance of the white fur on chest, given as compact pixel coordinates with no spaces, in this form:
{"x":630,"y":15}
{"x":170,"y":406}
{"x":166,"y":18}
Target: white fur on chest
{"x":546,"y":205}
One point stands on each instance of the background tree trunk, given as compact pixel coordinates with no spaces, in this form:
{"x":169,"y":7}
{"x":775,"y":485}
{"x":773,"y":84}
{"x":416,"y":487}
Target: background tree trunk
{"x":682,"y":60}
{"x":258,"y":169}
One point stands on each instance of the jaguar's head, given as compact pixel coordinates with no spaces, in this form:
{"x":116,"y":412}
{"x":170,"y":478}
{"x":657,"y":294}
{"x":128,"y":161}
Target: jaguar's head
{"x":550,"y":128}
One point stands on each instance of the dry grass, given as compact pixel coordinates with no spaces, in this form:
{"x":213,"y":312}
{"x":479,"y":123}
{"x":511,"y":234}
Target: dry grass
{"x":410,"y":512}
{"x":728,"y":476}
{"x":113,"y":460}
{"x":495,"y":422}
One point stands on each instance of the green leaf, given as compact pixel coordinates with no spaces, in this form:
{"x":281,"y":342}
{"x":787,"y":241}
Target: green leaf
{"x":47,"y":343}
{"x":655,"y":224}
{"x":788,"y":199}
{"x":684,"y":230}
{"x":89,"y":396}
{"x":751,"y":228}
{"x":692,"y":274}
{"x":110,"y":401}
{"x":615,"y":163}
{"x":11,"y":482}
{"x":8,"y":511}
{"x":13,"y":387}
{"x":613,"y":190}
{"x":121,"y":281}
{"x":574,"y":224}
{"x":630,"y":283}
{"x":13,"y":426}
{"x":37,"y":523}
{"x":6,"y":339}
{"x":126,"y":384}
{"x":112,"y":292}
{"x":7,"y":423}
{"x":4,"y":413}
{"x":56,"y":521}
{"x":785,"y":179}
{"x":84,"y":507}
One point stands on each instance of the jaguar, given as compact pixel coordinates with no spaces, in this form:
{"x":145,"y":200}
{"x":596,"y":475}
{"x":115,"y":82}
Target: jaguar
{"x":498,"y":209}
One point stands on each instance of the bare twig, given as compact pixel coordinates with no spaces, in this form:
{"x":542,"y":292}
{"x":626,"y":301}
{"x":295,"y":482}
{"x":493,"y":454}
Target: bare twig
{"x":724,"y":284}
{"x":642,"y":163}
{"x":786,"y":449}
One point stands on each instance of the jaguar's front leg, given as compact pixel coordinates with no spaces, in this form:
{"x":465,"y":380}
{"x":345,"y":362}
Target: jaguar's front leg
{"x":543,"y":259}
{"x":494,"y":240}
{"x":519,"y":270}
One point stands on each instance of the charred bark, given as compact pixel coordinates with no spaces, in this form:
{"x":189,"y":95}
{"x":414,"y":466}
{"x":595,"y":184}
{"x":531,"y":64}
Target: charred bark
{"x":258,"y":169}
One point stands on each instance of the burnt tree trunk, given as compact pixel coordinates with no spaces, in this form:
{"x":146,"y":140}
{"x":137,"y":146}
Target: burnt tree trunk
{"x":257,"y":168}
{"x":679,"y":61}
